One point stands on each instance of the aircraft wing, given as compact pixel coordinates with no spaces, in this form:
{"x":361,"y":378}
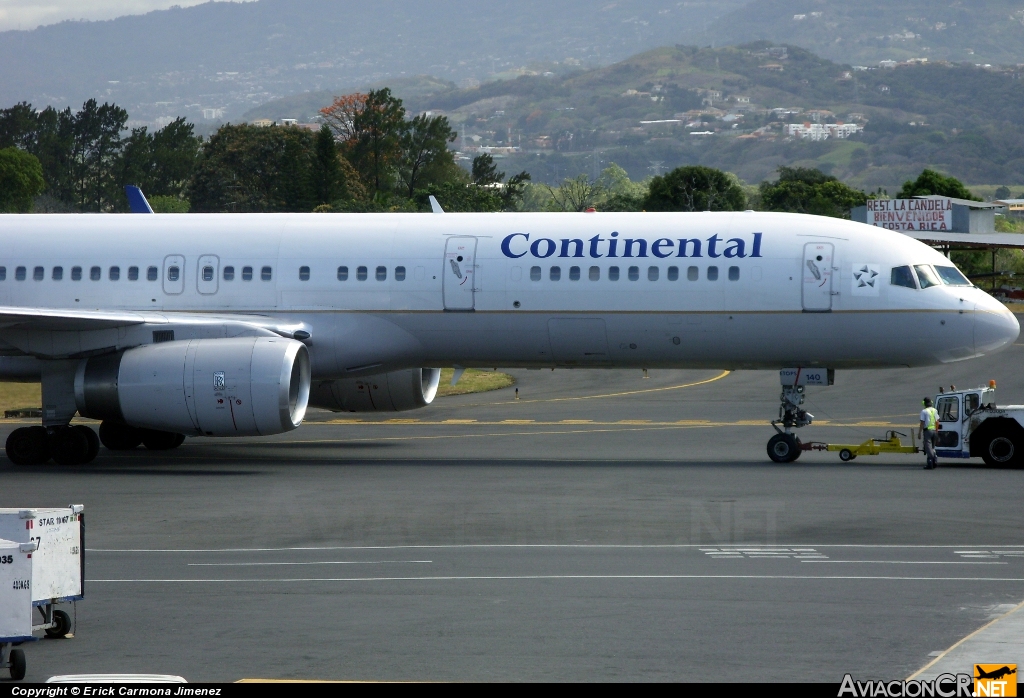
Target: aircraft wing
{"x":25,"y":321}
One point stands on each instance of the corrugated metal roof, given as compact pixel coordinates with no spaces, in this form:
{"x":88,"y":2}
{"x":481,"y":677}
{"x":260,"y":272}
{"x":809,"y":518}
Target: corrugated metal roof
{"x":979,"y":240}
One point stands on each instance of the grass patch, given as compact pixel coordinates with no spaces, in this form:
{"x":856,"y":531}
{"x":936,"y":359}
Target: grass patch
{"x":16,"y":396}
{"x":473,"y":381}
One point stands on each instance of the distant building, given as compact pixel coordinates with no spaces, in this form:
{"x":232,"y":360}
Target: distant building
{"x":1015,"y":207}
{"x":887,"y":64}
{"x":772,"y":67}
{"x":262,"y":123}
{"x":289,"y":122}
{"x":934,"y":213}
{"x":211,"y":114}
{"x":820,"y":132}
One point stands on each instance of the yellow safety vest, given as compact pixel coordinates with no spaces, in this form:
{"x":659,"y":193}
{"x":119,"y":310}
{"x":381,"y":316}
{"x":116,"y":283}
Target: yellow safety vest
{"x":933,"y":417}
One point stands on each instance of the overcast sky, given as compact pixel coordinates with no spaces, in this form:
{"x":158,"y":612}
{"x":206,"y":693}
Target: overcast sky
{"x":28,"y":14}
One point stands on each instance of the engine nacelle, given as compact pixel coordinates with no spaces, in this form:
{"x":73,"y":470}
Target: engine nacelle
{"x":397,"y":391}
{"x":245,"y":386}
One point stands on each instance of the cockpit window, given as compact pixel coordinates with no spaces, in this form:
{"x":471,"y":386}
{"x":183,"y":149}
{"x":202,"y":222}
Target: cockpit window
{"x":902,"y":276}
{"x":952,"y":276}
{"x":926,"y":275}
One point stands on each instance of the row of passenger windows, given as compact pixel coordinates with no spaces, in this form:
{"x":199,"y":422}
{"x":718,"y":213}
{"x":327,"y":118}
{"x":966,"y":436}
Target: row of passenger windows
{"x":152,"y":273}
{"x":633,"y":273}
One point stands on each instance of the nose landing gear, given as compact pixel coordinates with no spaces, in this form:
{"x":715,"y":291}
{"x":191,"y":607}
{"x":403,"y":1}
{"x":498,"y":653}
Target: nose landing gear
{"x":785,"y":447}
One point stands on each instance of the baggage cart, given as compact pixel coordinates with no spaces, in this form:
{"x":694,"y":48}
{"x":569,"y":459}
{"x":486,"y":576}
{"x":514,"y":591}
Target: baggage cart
{"x":15,"y":604}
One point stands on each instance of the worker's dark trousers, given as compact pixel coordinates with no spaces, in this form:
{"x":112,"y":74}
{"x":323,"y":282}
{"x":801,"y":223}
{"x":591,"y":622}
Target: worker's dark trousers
{"x":929,"y":447}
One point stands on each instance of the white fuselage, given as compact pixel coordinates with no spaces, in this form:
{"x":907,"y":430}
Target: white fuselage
{"x":382,"y":292}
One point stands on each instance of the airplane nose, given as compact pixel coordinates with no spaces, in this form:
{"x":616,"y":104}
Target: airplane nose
{"x":995,"y":327}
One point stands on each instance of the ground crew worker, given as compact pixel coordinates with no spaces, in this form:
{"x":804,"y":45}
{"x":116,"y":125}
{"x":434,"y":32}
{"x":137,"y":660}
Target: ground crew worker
{"x":929,"y":420}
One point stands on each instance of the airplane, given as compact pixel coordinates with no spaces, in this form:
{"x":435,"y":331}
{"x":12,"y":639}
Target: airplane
{"x":164,"y":326}
{"x":996,"y":674}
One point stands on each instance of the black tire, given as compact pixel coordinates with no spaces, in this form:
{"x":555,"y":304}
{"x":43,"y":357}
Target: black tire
{"x":846,"y":455}
{"x":28,"y":446}
{"x":68,"y":446}
{"x":18,"y":665}
{"x":62,"y":625}
{"x":783,"y":448}
{"x":118,"y":436}
{"x":94,"y":441}
{"x":1002,"y":450}
{"x":161,"y":440}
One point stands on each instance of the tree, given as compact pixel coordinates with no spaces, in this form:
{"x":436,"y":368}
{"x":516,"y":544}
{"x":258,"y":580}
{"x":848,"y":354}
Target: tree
{"x":576,"y":194}
{"x":375,"y":147}
{"x":326,"y":167}
{"x":806,"y":190}
{"x":622,"y":194}
{"x":484,"y":170}
{"x":341,"y":114}
{"x":424,"y":141}
{"x":695,"y":188}
{"x":1002,"y":193}
{"x":247,"y":168}
{"x":21,"y":180}
{"x":930,"y":182}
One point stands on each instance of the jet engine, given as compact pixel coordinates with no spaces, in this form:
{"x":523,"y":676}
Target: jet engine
{"x":246,"y":386}
{"x":397,"y":391}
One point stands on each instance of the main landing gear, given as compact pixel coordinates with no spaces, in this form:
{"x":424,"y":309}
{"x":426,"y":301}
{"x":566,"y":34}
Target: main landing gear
{"x":78,"y":444}
{"x":784,"y":447}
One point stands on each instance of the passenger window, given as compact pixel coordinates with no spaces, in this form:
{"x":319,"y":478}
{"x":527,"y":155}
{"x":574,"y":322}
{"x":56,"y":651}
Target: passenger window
{"x":902,"y":276}
{"x":534,"y":273}
{"x":555,"y":274}
{"x":692,"y":273}
{"x":361,"y":273}
{"x":95,"y":273}
{"x":712,"y":273}
{"x":19,"y":273}
{"x":246,"y":273}
{"x":613,"y":273}
{"x":972,"y":402}
{"x":926,"y":275}
{"x":574,"y":273}
{"x":673,"y":273}
{"x":634,"y":273}
{"x":303,"y":273}
{"x":595,"y":273}
{"x":173,"y":273}
{"x":76,"y":273}
{"x":133,"y":273}
{"x":734,"y":273}
{"x":399,"y":273}
{"x":58,"y":273}
{"x":382,"y":274}
{"x":948,"y":409}
{"x":3,"y":273}
{"x":266,"y":273}
{"x":342,"y":273}
{"x":207,"y":273}
{"x":652,"y":273}
{"x":229,"y":273}
{"x":114,"y":273}
{"x":39,"y":273}
{"x":151,"y":273}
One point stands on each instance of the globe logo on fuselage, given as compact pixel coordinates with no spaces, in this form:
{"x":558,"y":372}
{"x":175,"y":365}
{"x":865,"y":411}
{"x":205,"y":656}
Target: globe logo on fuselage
{"x":519,"y":245}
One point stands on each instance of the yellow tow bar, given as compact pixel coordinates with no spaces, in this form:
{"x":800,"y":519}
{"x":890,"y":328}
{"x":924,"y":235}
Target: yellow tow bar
{"x":872,"y":447}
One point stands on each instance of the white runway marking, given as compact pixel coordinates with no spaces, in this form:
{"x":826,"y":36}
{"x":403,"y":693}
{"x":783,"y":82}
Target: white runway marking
{"x":499,"y":545}
{"x":908,"y":562}
{"x":529,"y":577}
{"x":325,"y":562}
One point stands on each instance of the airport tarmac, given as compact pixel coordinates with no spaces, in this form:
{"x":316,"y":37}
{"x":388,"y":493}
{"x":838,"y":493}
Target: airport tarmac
{"x":602,"y":527}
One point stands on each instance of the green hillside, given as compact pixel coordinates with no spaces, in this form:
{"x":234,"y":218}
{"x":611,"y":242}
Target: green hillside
{"x":962,"y":119}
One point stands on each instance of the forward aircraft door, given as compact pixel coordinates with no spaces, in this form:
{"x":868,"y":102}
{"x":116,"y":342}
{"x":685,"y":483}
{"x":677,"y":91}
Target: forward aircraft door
{"x":459,"y":273}
{"x":817,"y":277}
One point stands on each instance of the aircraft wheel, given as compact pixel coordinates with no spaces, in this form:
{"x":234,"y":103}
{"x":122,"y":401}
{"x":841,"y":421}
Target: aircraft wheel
{"x":94,"y":441}
{"x":846,"y":455}
{"x":68,"y":446}
{"x":161,"y":440}
{"x":783,"y":448}
{"x":118,"y":436}
{"x":1001,"y":451}
{"x":28,"y":446}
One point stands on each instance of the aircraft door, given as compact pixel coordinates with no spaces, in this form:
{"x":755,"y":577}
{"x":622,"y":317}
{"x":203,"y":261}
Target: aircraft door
{"x":817,"y":277}
{"x":950,"y":417}
{"x":174,"y":274}
{"x":459,"y":283}
{"x":206,"y":277}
